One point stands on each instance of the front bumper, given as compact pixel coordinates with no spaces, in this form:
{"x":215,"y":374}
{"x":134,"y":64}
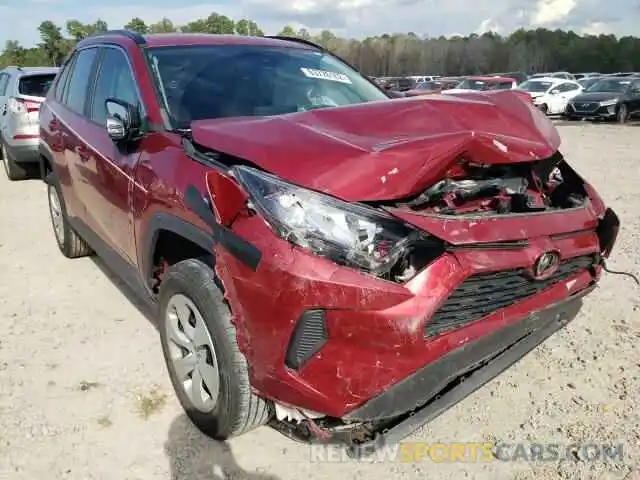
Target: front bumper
{"x":590,"y":111}
{"x":437,"y":387}
{"x":356,"y":336}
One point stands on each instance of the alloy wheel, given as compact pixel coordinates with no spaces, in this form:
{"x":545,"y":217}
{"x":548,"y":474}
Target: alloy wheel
{"x":192,"y":356}
{"x":55,"y":210}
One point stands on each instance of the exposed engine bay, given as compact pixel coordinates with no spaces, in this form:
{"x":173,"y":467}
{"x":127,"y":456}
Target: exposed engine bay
{"x":474,"y":188}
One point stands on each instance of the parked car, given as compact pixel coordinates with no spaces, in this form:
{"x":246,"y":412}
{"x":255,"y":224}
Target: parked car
{"x":519,"y":77}
{"x":624,"y":74}
{"x":343,"y":274}
{"x":449,"y":82}
{"x":564,"y":75}
{"x":22,"y":90}
{"x":551,"y":95}
{"x":425,"y":88}
{"x":480,"y":83}
{"x":580,"y":76}
{"x":610,"y":98}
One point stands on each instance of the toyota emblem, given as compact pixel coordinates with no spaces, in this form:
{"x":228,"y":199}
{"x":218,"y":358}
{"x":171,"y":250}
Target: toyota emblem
{"x":546,"y":265}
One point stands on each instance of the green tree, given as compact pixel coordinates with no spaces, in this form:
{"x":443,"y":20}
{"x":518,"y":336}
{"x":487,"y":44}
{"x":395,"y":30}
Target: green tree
{"x":52,"y":42}
{"x":136,"y":24}
{"x":242,"y":27}
{"x":163,"y":26}
{"x":287,"y":31}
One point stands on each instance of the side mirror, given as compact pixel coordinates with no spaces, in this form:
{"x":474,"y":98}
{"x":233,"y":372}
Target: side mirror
{"x":123,"y":120}
{"x":555,"y":91}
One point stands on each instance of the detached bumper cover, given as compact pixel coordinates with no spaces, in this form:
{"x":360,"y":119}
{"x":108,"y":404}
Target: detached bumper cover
{"x":432,"y":390}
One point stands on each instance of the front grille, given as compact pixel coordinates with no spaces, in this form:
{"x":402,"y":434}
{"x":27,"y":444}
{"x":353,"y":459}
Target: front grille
{"x":585,"y":106}
{"x":485,"y":293}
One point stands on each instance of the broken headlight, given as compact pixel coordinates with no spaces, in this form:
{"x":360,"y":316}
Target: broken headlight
{"x":348,"y":234}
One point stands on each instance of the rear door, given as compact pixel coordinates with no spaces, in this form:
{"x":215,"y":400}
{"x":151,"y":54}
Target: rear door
{"x":71,"y":120}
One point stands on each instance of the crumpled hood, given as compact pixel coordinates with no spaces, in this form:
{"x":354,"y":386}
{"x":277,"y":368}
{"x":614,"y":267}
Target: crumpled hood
{"x":387,"y":149}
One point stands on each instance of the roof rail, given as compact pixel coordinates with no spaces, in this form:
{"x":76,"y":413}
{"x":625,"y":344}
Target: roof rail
{"x":297,"y":40}
{"x":136,"y":37}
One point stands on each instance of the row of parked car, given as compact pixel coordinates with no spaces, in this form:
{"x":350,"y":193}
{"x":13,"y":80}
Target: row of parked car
{"x":591,"y":96}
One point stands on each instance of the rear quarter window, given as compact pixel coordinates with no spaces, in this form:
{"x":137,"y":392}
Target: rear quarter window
{"x":35,"y":85}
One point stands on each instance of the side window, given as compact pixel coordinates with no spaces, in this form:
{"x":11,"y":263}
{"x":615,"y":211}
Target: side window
{"x":4,"y":80}
{"x":115,"y":80}
{"x":62,"y":79}
{"x":79,"y":80}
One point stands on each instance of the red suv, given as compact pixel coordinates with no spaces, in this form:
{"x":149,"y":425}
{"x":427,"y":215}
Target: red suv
{"x":322,"y":258}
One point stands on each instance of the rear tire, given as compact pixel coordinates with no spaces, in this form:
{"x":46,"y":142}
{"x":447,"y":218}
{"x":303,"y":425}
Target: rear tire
{"x":13,"y":170}
{"x":69,"y":242}
{"x":222,"y":405}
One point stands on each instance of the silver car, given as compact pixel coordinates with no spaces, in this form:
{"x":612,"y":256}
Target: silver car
{"x":22,"y":90}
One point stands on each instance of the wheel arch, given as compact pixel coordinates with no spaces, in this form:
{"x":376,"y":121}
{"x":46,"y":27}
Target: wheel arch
{"x":165,"y":230}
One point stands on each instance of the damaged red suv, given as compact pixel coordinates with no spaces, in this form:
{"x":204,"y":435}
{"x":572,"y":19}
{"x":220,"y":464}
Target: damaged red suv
{"x":321,"y":258}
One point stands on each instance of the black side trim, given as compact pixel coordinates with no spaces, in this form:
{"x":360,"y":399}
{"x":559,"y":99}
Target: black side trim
{"x":420,"y":397}
{"x":121,"y":267}
{"x":165,"y":221}
{"x":309,"y":335}
{"x":236,"y":245}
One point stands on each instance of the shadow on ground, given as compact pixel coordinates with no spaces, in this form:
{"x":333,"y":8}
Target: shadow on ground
{"x":193,"y":456}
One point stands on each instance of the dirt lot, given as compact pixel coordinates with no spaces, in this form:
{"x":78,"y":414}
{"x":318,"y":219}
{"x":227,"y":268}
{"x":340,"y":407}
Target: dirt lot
{"x":84,"y":393}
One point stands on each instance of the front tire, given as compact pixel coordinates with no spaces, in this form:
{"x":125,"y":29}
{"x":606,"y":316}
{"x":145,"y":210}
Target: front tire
{"x":208,"y":372}
{"x":544,"y":109}
{"x":69,"y":242}
{"x":623,"y":114}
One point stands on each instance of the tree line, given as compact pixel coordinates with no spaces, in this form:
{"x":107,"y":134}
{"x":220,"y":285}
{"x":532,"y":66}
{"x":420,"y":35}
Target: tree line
{"x":528,"y":51}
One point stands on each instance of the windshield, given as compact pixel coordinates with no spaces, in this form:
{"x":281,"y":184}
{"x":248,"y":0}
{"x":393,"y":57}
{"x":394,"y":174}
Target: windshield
{"x":535,"y":86}
{"x":610,"y":85}
{"x":36,"y":85}
{"x":587,"y":82}
{"x":215,"y":81}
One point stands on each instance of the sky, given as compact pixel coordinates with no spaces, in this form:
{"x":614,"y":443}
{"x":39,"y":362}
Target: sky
{"x":19,"y":19}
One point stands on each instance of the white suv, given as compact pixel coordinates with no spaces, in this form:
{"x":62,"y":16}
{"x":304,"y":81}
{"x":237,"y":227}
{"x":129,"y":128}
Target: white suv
{"x":551,"y":94}
{"x":22,"y":90}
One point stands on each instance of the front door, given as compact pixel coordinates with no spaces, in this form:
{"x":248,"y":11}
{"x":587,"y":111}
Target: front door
{"x":109,"y":167}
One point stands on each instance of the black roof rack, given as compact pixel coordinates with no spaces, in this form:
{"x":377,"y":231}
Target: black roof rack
{"x":136,"y":37}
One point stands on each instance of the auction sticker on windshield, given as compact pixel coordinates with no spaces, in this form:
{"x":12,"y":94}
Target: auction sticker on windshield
{"x":325,"y":75}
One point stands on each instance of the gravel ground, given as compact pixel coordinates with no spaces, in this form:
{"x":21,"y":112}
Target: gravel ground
{"x":84,"y":393}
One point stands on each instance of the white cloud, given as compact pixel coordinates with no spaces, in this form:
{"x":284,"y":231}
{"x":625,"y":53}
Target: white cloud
{"x":488,"y":25}
{"x":552,"y":11}
{"x":596,"y":28}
